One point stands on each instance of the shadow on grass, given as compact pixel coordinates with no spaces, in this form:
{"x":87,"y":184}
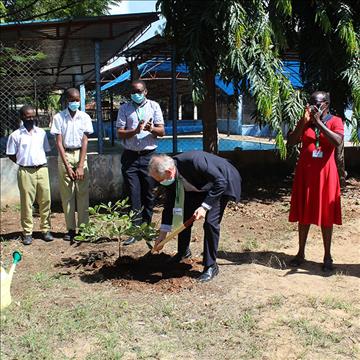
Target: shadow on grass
{"x":99,"y":267}
{"x":280,"y":260}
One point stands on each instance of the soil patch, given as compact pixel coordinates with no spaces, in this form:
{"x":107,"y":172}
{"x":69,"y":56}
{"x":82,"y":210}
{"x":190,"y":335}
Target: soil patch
{"x":150,"y":271}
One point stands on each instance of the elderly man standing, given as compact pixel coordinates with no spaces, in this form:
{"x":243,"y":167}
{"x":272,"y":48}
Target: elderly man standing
{"x":26,"y":147}
{"x":72,"y":128}
{"x":199,"y":184}
{"x":139,"y":123}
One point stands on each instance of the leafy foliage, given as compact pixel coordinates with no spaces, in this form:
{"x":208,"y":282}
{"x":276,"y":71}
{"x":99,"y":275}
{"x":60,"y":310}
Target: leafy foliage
{"x":23,"y":10}
{"x":11,"y":54}
{"x":114,"y":221}
{"x":244,"y":42}
{"x":327,"y":35}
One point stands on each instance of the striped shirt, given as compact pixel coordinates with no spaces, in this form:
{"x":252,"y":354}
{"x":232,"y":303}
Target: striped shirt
{"x":128,"y":118}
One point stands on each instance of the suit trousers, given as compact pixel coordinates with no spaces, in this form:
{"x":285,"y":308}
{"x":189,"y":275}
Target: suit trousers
{"x":139,"y":186}
{"x":211,"y":226}
{"x":74,"y":193}
{"x":34,"y":185}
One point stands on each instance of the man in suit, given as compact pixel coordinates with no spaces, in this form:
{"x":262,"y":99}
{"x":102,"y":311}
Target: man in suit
{"x":207,"y":182}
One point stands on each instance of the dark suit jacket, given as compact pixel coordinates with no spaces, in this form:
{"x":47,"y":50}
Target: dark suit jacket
{"x":207,"y":172}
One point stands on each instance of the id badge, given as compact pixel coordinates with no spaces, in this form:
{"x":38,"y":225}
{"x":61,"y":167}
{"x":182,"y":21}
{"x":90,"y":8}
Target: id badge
{"x":178,"y":211}
{"x":317,"y":153}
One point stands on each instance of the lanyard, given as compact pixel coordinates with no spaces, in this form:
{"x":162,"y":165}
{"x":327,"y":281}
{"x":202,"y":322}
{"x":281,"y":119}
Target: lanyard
{"x":317,"y":137}
{"x":178,"y":190}
{"x":140,"y":112}
{"x":178,"y":211}
{"x":317,"y":130}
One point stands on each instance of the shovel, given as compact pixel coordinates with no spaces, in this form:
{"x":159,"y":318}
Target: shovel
{"x":173,"y":234}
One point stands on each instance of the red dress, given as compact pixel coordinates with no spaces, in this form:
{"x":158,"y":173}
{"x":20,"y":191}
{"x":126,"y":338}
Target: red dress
{"x":315,"y":197}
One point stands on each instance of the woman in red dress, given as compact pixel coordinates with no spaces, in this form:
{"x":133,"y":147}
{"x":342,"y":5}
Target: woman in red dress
{"x":315,"y":197}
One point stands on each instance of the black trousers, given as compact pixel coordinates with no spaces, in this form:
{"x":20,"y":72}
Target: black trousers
{"x":211,"y":225}
{"x":139,"y":185}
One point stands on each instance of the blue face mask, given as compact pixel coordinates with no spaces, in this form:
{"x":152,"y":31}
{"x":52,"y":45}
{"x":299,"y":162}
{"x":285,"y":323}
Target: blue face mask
{"x":137,"y":98}
{"x":74,"y":105}
{"x":167,"y":182}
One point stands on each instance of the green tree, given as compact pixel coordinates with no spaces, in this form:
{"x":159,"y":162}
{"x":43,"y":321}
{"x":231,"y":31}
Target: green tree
{"x":22,"y":10}
{"x":327,"y":36}
{"x":113,"y":222}
{"x":244,"y":42}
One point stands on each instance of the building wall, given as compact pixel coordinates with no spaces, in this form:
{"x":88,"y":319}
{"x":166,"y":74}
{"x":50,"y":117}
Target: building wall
{"x":106,"y":181}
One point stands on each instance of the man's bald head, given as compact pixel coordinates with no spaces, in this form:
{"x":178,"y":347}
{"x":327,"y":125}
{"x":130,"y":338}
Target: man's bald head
{"x":320,"y":96}
{"x":72,"y":94}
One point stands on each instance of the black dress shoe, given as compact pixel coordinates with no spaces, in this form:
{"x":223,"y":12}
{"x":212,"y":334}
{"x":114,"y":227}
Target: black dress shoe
{"x":180,"y":257}
{"x":209,"y":273}
{"x":70,"y":235}
{"x":129,"y":241}
{"x":47,"y":236}
{"x":328,"y":265}
{"x":27,"y":239}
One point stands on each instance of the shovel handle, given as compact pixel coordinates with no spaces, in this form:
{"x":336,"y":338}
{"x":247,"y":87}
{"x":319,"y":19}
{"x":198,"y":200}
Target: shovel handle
{"x":174,"y":233}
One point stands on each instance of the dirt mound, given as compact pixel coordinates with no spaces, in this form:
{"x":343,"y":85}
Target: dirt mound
{"x":151,"y":271}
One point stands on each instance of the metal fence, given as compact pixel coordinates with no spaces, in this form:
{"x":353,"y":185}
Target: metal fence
{"x":18,"y":85}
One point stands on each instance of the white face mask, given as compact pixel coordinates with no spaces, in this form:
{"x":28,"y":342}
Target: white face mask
{"x":167,"y":182}
{"x":74,"y":105}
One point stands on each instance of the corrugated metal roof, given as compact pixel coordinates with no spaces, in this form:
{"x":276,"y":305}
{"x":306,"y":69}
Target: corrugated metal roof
{"x":156,"y":46}
{"x":69,"y":44}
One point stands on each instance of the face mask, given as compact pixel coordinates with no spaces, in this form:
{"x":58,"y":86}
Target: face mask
{"x":29,"y":124}
{"x":74,"y":105}
{"x":137,"y":98}
{"x":167,"y":182}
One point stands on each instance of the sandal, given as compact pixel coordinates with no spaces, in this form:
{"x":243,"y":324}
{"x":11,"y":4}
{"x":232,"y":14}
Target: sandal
{"x":296,"y":261}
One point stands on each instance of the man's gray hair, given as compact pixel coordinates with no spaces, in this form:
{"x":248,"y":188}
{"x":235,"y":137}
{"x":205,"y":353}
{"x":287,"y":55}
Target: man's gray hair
{"x":160,"y":163}
{"x":24,"y":109}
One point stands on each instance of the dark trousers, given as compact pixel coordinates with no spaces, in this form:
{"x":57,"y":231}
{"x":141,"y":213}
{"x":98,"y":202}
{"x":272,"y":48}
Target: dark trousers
{"x":139,"y":185}
{"x":211,"y":225}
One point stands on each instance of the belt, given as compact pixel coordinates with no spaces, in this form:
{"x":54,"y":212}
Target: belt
{"x":72,"y":149}
{"x":33,"y":167}
{"x":141,"y":152}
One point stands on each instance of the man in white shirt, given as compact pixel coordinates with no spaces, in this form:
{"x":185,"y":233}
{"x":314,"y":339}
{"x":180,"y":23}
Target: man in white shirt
{"x":71,"y":128}
{"x":26,"y":147}
{"x":139,"y":123}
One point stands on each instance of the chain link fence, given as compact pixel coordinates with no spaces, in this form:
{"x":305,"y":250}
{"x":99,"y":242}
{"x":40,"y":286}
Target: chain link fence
{"x":18,"y":85}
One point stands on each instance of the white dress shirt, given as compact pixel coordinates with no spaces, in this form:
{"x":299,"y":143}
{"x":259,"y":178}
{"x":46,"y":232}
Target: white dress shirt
{"x":128,"y":118}
{"x":72,"y":129}
{"x":29,"y":147}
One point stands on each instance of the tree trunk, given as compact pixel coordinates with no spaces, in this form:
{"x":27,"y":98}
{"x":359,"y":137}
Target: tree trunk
{"x":210,"y":134}
{"x":134,"y":71}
